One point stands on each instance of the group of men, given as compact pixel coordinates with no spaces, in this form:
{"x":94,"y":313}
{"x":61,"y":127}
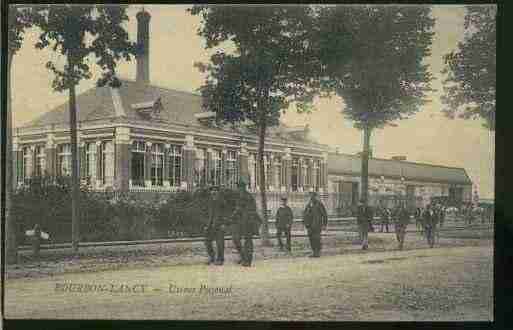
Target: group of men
{"x":365,"y":215}
{"x":245,"y":222}
{"x":242,"y":224}
{"x":427,"y":220}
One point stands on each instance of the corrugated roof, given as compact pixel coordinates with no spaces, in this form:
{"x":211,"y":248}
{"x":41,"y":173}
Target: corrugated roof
{"x":343,"y":164}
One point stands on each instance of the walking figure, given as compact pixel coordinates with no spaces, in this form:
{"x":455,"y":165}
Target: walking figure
{"x":418,"y":220}
{"x":402,"y":218}
{"x":429,"y":220}
{"x":363,"y":218}
{"x":315,"y":218}
{"x":284,"y":219}
{"x":386,"y":216}
{"x":246,"y":222}
{"x":215,"y":229}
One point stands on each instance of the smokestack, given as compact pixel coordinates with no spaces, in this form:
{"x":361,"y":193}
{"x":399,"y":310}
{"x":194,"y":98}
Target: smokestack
{"x":143,"y":42}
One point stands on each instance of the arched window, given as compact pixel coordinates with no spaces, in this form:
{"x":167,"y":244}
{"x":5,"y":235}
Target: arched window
{"x":90,"y":162}
{"x":295,"y":176}
{"x":253,"y":171}
{"x":232,"y":169}
{"x":215,"y":171}
{"x":64,"y":160}
{"x":277,"y":172}
{"x":317,"y":171}
{"x":39,"y":166}
{"x":137,"y":164}
{"x":175,"y":165}
{"x":107,"y":163}
{"x":157,"y":164}
{"x":200,"y":168}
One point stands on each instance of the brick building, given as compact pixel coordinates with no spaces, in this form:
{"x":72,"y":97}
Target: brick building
{"x":145,"y":138}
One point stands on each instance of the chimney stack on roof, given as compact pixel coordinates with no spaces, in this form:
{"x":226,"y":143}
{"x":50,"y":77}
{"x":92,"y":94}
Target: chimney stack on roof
{"x":143,"y":44}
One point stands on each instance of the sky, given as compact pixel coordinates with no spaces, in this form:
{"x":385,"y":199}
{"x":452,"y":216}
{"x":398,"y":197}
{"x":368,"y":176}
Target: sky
{"x":427,"y":137}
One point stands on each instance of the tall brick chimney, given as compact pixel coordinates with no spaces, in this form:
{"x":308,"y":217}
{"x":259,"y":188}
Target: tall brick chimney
{"x":143,"y":42}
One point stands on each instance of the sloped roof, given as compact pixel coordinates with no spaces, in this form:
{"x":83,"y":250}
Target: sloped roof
{"x":177,"y":107}
{"x":97,"y":103}
{"x":344,"y":164}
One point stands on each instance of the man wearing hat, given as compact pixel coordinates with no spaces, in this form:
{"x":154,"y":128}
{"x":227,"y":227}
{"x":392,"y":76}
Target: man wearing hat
{"x":245,"y":224}
{"x":363,"y":219}
{"x":284,"y":219}
{"x":214,"y":231}
{"x":315,"y":218}
{"x":402,"y":221}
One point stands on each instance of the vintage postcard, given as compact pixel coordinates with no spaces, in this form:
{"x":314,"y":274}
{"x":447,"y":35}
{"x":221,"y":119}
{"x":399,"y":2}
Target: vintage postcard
{"x":250,"y":162}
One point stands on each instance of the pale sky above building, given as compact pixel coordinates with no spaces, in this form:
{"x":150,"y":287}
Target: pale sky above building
{"x":427,"y":137}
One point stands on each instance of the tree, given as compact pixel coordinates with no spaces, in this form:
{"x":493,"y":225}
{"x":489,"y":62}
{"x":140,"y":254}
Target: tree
{"x":77,"y":33}
{"x":469,"y":88}
{"x":272,"y":66}
{"x":19,"y":20}
{"x":372,"y":58}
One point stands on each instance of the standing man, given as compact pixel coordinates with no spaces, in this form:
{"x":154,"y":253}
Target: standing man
{"x":402,"y":221}
{"x":246,"y":222}
{"x":385,"y":218}
{"x":315,"y":218}
{"x":214,"y":231}
{"x":429,"y":220}
{"x":284,"y":219}
{"x":363,"y":218}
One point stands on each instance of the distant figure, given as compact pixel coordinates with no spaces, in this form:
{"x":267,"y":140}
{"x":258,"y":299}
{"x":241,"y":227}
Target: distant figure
{"x":363,"y":218}
{"x":418,"y":220}
{"x":246,"y":222}
{"x":402,"y":220}
{"x":429,"y":220}
{"x":215,"y":229}
{"x":386,"y":215}
{"x":315,"y":218}
{"x":284,"y":219}
{"x":36,"y":241}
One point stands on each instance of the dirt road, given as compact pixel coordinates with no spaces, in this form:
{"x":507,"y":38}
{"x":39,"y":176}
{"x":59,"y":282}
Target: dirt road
{"x":446,"y":283}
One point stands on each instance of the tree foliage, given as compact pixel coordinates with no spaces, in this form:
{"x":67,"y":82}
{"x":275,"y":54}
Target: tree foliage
{"x":373,"y":58}
{"x":469,"y":88}
{"x":272,"y":66}
{"x":77,"y":32}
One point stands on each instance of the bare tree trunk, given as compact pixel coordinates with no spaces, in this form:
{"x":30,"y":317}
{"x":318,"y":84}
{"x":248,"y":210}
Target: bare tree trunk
{"x":75,"y":182}
{"x":261,"y":168}
{"x":10,"y":226}
{"x":365,"y":165}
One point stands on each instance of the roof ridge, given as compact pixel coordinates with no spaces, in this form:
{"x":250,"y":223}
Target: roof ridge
{"x":402,"y":161}
{"x":161,"y":87}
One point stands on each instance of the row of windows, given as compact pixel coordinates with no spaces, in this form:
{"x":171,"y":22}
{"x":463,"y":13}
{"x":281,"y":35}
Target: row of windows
{"x":203,"y":174}
{"x":99,"y":165}
{"x":34,"y":163}
{"x":310,"y":177}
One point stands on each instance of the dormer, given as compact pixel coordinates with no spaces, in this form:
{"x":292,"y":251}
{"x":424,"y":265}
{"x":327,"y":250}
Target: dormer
{"x":206,"y":117}
{"x":149,"y":109}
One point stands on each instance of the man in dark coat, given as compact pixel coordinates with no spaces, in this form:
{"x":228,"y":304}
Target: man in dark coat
{"x":429,"y":219}
{"x":386,"y":215}
{"x":284,"y":219}
{"x":215,"y":229}
{"x":363,"y":218}
{"x":402,"y":220}
{"x":246,"y":222}
{"x":315,"y":218}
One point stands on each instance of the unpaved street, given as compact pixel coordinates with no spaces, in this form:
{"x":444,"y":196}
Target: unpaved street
{"x":446,"y":283}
